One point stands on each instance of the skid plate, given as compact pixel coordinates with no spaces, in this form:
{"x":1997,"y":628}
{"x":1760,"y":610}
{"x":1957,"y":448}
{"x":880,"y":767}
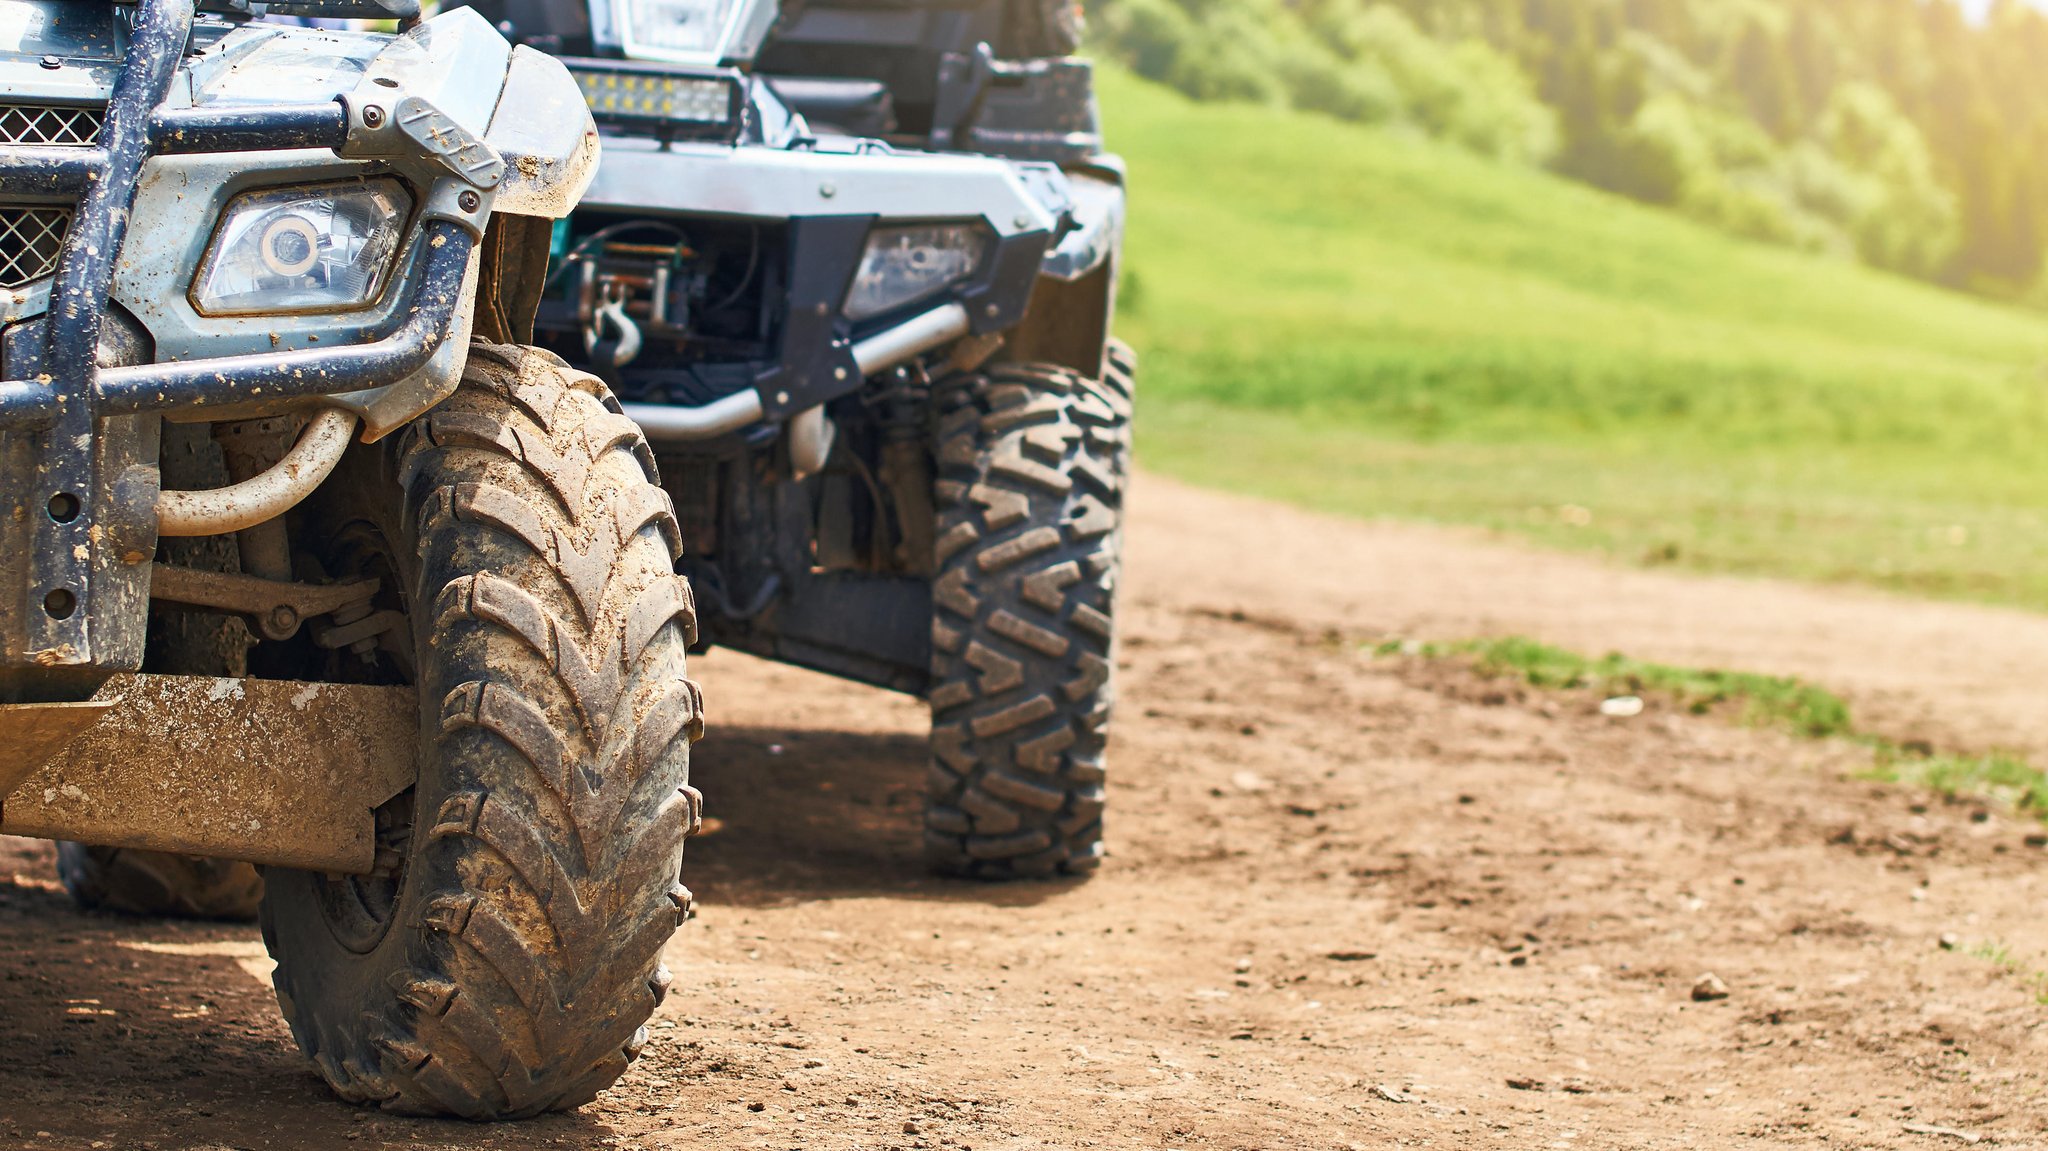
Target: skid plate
{"x":270,"y":771}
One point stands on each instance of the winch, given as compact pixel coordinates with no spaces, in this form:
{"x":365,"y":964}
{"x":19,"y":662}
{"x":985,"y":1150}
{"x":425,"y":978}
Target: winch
{"x":629,"y":290}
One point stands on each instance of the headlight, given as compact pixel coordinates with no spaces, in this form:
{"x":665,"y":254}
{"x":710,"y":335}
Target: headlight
{"x":690,"y":31}
{"x":904,"y":265}
{"x":322,"y":248}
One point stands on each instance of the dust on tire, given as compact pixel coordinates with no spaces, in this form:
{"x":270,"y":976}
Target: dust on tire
{"x":536,"y":870}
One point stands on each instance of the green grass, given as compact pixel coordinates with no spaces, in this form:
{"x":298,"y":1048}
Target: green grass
{"x":1999,"y":955}
{"x":1761,"y":699}
{"x":2006,"y":778}
{"x":1784,"y":702}
{"x":1376,"y":324}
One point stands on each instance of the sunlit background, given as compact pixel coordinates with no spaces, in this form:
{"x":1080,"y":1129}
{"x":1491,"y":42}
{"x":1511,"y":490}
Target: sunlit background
{"x":1742,"y":287}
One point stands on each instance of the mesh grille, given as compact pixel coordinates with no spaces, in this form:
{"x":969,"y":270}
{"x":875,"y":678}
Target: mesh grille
{"x":49,"y":124}
{"x":29,"y":241}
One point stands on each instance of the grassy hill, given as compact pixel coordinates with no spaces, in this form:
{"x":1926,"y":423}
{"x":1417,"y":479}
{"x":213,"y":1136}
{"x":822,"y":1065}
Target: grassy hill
{"x":1377,"y":324}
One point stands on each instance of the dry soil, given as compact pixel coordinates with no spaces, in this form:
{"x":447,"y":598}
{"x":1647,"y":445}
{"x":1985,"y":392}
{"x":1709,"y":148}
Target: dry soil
{"x":1353,"y":902}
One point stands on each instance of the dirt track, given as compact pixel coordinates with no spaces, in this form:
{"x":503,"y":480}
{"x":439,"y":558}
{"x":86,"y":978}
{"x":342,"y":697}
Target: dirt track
{"x":1353,"y":902}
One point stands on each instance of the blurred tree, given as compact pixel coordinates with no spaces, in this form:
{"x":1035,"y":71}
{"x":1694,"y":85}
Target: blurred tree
{"x":1894,"y":131}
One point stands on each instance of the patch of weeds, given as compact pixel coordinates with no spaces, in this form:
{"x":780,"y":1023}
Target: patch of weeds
{"x":1785,"y":702}
{"x":2005,"y":778}
{"x":1764,"y":700}
{"x":1997,"y":954}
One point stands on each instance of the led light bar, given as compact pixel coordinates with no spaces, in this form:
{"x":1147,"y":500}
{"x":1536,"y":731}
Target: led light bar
{"x":680,"y":103}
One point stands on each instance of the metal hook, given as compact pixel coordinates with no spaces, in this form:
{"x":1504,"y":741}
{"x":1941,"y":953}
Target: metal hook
{"x":612,"y":307}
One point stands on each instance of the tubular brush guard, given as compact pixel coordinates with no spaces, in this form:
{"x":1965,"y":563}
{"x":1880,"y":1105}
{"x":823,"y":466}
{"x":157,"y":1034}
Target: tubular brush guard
{"x":77,"y":440}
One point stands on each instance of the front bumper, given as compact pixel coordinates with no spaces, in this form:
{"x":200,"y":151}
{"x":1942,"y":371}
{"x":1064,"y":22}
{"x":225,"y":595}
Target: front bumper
{"x":830,"y":193}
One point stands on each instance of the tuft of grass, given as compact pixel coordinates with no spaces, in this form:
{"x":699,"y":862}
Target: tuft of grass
{"x":1999,"y":955}
{"x":1995,"y":953}
{"x":2005,"y":778}
{"x":1762,"y":700}
{"x":1784,"y":702}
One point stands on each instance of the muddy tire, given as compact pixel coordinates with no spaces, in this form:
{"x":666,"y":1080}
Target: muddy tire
{"x":1029,"y":496}
{"x":1034,"y":28}
{"x":503,"y":958}
{"x":158,"y":883}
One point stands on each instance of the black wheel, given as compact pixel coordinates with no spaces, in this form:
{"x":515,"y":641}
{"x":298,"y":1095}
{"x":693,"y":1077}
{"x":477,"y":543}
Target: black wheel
{"x":502,"y":959}
{"x":158,"y":883}
{"x":1034,"y":28}
{"x":1120,"y":388}
{"x":1029,"y":496}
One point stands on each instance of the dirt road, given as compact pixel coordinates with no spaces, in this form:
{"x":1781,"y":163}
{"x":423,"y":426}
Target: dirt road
{"x":1353,"y":902}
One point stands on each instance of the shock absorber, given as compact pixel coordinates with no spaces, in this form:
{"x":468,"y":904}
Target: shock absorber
{"x":901,"y":400}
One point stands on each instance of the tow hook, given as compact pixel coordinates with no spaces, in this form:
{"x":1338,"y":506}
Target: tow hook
{"x":611,"y":308}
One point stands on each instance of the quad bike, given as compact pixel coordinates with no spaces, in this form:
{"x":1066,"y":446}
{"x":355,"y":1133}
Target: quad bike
{"x":852,"y":269}
{"x":309,"y":562}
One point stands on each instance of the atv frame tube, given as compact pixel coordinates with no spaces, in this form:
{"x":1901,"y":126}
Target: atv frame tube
{"x":668,"y":423}
{"x":218,"y":511}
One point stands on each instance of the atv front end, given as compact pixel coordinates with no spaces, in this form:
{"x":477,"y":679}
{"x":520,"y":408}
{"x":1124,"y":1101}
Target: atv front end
{"x":203,"y":219}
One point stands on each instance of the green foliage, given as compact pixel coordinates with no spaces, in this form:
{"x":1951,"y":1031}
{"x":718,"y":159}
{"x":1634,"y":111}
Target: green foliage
{"x":1885,"y":130}
{"x":1376,"y":324}
{"x":1347,"y":58}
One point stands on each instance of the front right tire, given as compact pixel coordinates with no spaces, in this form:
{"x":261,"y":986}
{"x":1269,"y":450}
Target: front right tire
{"x":1031,"y":472}
{"x":504,"y":956}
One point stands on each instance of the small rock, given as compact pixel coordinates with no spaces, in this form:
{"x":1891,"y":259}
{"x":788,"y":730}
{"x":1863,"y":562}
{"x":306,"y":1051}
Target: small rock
{"x":1950,"y":941}
{"x":909,"y":1128}
{"x":1389,"y":1094}
{"x":1348,"y":956}
{"x":1944,"y":1132}
{"x":2037,"y":841}
{"x":1244,"y":964}
{"x":1526,"y":1084}
{"x":1249,"y":781}
{"x":1709,"y":988}
{"x":1622,"y":706}
{"x":757,"y":1105}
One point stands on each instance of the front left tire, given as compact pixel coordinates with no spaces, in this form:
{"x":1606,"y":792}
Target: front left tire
{"x":504,"y":957}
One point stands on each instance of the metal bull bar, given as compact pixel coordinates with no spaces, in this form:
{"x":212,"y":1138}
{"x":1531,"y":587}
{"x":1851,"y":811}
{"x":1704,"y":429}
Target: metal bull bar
{"x":58,"y":399}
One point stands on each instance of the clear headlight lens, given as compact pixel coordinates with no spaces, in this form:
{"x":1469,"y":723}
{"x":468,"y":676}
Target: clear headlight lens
{"x":695,"y":31}
{"x":317,"y":248}
{"x":904,"y":265}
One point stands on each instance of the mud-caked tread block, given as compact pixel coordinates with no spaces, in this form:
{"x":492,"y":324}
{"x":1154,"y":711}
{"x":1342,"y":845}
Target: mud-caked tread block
{"x":1030,"y":497}
{"x":523,"y":957}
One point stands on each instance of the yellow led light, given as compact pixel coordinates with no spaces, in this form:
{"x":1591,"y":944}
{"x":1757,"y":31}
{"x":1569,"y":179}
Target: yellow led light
{"x":695,"y":99}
